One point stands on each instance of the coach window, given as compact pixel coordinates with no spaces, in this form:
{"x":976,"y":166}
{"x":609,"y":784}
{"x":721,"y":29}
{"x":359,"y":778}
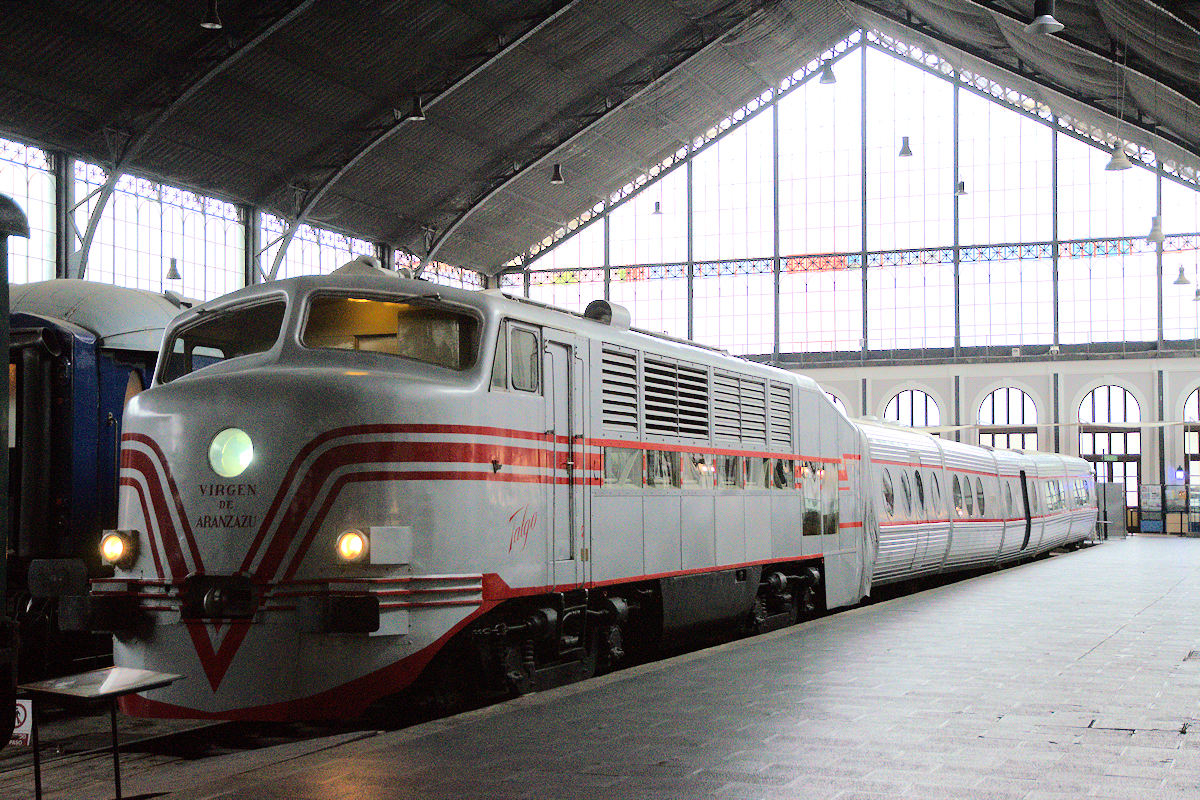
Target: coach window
{"x":968,"y":496}
{"x":524,"y":359}
{"x":935,"y":494}
{"x":696,"y":472}
{"x":919,"y":485}
{"x":979,"y":495}
{"x":784,"y":474}
{"x":622,"y":467}
{"x":662,"y":469}
{"x":905,"y":493}
{"x":729,"y":472}
{"x":1008,"y":501}
{"x":889,"y":494}
{"x":810,"y":488}
{"x":500,"y":362}
{"x":757,"y":473}
{"x":959,"y":505}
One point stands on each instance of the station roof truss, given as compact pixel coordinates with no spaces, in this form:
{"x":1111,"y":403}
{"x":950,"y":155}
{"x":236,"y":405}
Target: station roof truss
{"x":312,"y":109}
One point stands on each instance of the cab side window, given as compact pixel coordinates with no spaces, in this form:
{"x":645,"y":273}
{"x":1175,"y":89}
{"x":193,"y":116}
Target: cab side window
{"x":518,"y":359}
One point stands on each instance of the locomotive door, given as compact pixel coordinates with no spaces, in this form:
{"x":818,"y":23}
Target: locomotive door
{"x":563,"y":369}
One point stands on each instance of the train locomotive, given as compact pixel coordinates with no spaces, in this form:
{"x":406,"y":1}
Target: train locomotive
{"x":339,"y":487}
{"x":79,"y":351}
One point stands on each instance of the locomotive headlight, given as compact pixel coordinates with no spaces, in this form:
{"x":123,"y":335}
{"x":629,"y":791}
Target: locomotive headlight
{"x":353,"y":546}
{"x":231,"y":452}
{"x":118,"y":548}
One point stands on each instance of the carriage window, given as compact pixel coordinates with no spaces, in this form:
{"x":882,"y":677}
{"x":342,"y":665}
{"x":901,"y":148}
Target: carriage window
{"x":920,"y":487}
{"x":431,"y":334}
{"x":757,"y":473}
{"x":222,"y":334}
{"x":935,"y":494}
{"x":968,"y":496}
{"x":810,"y":484}
{"x":783,"y":475}
{"x":906,"y":493}
{"x":500,"y":362}
{"x":889,"y":494}
{"x":662,"y":469}
{"x":524,"y":360}
{"x":1008,"y":501}
{"x":729,"y":472}
{"x":979,"y":495}
{"x":959,"y":504}
{"x":622,"y":467}
{"x":697,"y":471}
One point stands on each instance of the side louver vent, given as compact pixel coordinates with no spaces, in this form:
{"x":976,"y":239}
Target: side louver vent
{"x":619,"y":407}
{"x":676,"y":398}
{"x":740,"y":408}
{"x":781,"y":417}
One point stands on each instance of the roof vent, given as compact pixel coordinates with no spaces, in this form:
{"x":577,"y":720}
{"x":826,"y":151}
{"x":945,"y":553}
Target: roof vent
{"x":363,"y":265}
{"x":607,"y":313}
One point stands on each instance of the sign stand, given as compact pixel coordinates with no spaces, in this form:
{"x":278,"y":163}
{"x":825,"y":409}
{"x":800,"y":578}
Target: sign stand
{"x":108,"y":684}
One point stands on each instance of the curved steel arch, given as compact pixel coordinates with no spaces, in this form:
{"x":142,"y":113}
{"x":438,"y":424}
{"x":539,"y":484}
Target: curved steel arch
{"x":312,"y":198}
{"x":136,"y":144}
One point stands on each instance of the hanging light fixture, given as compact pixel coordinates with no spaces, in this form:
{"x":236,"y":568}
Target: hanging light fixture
{"x":556,"y":175}
{"x":905,"y":150}
{"x":1196,"y":299}
{"x":1156,"y":232}
{"x":173,"y":270}
{"x":657,"y":207}
{"x":211,"y":21}
{"x":827,"y":75}
{"x":1043,"y":19}
{"x":418,"y":109}
{"x":1182,"y":279}
{"x":961,"y":189}
{"x":1119,"y":159}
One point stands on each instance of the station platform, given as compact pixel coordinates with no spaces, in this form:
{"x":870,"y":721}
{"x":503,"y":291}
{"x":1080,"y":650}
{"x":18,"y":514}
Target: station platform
{"x":1075,"y":676}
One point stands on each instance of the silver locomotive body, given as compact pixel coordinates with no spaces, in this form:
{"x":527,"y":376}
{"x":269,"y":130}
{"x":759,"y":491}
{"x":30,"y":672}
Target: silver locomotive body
{"x":338,"y":485}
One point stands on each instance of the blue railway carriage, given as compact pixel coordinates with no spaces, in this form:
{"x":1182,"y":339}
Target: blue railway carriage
{"x":79,"y":351}
{"x":337,"y":487}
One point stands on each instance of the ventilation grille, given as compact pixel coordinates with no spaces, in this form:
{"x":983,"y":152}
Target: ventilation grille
{"x":676,"y":398}
{"x":727,"y":410}
{"x":781,"y":417}
{"x":619,"y":407}
{"x":754,"y":411}
{"x":740,"y":408}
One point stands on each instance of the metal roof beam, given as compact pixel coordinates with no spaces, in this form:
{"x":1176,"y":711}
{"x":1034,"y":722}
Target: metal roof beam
{"x":989,"y":57}
{"x":708,"y":42}
{"x":78,"y":266}
{"x":312,"y":198}
{"x":1105,"y":55}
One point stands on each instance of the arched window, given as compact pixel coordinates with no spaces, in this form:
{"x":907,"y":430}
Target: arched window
{"x":1191,"y":438}
{"x":1110,"y":438}
{"x":914,"y":408}
{"x":837,"y":402}
{"x":1008,"y":419}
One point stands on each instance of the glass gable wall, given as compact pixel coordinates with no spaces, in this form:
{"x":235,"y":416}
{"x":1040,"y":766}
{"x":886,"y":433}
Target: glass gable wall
{"x":917,"y":210}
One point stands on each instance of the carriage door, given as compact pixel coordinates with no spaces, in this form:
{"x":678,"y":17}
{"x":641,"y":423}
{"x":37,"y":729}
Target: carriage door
{"x":1028,"y":510}
{"x":564,"y":407}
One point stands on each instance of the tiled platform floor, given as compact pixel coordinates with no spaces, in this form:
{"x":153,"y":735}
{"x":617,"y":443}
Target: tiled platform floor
{"x":1066,"y":678}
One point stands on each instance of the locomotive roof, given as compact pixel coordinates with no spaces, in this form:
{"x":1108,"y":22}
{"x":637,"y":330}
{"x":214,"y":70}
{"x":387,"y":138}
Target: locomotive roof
{"x":120,"y":318}
{"x":360,"y":275}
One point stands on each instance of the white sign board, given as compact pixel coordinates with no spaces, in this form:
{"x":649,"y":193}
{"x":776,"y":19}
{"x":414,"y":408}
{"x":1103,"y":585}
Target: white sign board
{"x":24,"y":725}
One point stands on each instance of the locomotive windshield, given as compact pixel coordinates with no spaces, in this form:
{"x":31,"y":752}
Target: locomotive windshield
{"x":221,"y":334}
{"x":430,"y":333}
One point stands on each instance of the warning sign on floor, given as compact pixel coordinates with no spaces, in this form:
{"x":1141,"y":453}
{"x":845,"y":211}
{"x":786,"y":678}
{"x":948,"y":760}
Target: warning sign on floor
{"x":24,"y":726}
